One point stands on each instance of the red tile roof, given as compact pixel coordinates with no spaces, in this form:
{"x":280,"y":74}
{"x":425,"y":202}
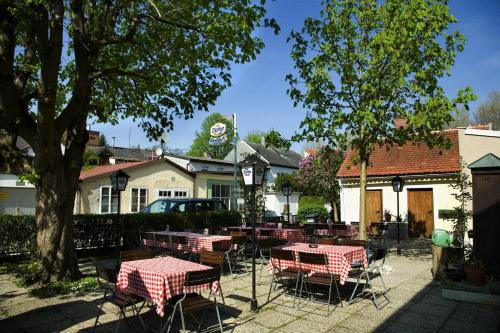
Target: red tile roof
{"x":408,"y":159}
{"x":107,"y":169}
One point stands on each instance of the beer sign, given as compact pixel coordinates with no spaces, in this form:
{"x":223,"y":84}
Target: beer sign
{"x":217,"y":134}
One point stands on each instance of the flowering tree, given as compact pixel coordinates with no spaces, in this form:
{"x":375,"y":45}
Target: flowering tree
{"x":317,"y":176}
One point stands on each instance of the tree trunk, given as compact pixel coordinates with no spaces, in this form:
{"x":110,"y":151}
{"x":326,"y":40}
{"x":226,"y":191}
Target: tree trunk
{"x":55,"y":198}
{"x":362,"y":197}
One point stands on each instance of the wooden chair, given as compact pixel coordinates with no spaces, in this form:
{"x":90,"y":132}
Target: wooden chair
{"x":349,"y":242}
{"x":108,"y":276}
{"x":283,"y":271}
{"x":137,"y":254}
{"x":268,"y":233}
{"x":179,"y":247}
{"x":226,"y":248}
{"x":194,"y":302}
{"x":327,"y":279}
{"x":237,"y":233}
{"x":264,"y":248}
{"x":326,"y":241}
{"x":239,"y":243}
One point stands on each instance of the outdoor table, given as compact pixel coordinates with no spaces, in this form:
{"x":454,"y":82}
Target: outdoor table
{"x":289,"y":235}
{"x":339,"y":258}
{"x":196,"y":242}
{"x":159,"y":279}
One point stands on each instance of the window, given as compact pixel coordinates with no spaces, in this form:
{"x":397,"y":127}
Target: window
{"x":204,"y":168}
{"x":139,"y":199}
{"x":222,"y":192}
{"x":220,"y":169}
{"x":173,"y":193}
{"x":109,"y":200}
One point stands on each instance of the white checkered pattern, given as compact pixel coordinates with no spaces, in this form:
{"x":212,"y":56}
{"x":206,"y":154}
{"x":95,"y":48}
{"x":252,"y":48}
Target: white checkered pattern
{"x":159,"y":279}
{"x":351,"y":231}
{"x":339,"y":258}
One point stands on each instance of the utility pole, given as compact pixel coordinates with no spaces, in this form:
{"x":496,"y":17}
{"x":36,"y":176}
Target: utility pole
{"x":235,"y":181}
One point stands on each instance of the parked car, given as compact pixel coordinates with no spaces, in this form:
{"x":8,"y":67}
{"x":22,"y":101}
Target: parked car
{"x":184,"y":205}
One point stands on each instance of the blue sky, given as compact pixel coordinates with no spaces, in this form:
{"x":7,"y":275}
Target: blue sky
{"x":258,"y":94}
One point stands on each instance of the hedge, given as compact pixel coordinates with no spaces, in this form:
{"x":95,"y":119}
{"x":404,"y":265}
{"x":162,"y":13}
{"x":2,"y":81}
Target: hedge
{"x":18,"y":233}
{"x":307,"y":200}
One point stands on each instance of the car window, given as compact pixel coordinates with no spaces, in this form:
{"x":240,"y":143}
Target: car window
{"x":180,"y":207}
{"x":202,"y":206}
{"x":160,"y":206}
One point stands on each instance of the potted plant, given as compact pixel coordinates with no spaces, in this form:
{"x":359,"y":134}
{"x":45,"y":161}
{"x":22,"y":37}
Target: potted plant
{"x":387,"y":215}
{"x":475,"y":272}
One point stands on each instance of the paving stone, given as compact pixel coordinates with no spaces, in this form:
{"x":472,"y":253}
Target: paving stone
{"x":273,"y":319}
{"x":417,"y":319}
{"x":462,"y":326}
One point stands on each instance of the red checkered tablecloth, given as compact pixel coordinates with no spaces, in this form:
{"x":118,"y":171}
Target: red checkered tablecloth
{"x":339,"y":258}
{"x":290,"y":235}
{"x":159,"y":279}
{"x":351,"y":231}
{"x":196,"y":242}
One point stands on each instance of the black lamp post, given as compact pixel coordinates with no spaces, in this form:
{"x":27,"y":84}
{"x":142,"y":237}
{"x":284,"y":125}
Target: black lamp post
{"x":286,"y":188}
{"x":397,"y":186}
{"x":253,"y":170}
{"x":119,"y":180}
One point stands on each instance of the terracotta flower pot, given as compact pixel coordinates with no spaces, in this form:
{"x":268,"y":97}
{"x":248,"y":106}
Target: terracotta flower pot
{"x":475,"y":274}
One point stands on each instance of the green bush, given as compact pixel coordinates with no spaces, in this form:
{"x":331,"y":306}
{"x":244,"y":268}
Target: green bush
{"x":307,"y":200}
{"x":320,"y":212}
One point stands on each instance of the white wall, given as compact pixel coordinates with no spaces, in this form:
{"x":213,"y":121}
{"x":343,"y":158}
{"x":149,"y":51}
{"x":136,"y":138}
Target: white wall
{"x":442,"y":198}
{"x":275,"y":202}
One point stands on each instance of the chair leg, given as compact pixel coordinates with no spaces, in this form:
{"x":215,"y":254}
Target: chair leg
{"x":99,"y":310}
{"x":182,"y":317}
{"x":218,"y":317}
{"x":295,"y":291}
{"x":270,"y":288}
{"x":355,"y":288}
{"x":338,"y":292}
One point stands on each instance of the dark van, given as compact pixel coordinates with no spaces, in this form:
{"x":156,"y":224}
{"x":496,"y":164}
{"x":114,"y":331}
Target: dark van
{"x":184,"y":205}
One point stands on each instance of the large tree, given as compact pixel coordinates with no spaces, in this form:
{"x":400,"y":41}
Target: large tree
{"x":365,"y":63}
{"x":201,"y":144}
{"x":63,"y":61}
{"x":317,"y":176}
{"x":489,"y":111}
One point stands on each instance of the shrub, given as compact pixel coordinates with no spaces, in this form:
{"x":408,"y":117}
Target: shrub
{"x":320,"y":212}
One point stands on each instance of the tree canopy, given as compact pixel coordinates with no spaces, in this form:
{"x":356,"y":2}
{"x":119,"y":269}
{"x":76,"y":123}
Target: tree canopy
{"x":489,"y":111}
{"x":65,"y":61}
{"x":365,"y":63}
{"x":201,"y":144}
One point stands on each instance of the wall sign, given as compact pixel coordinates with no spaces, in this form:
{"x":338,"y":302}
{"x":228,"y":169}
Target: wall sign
{"x":217,"y":134}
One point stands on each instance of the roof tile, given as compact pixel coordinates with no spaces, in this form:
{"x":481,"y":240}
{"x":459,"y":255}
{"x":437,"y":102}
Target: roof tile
{"x":408,"y":159}
{"x":107,"y":169}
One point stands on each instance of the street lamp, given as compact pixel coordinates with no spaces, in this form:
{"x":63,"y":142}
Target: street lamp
{"x":286,"y":188}
{"x":119,"y":180}
{"x":397,"y":186}
{"x":253,"y":170}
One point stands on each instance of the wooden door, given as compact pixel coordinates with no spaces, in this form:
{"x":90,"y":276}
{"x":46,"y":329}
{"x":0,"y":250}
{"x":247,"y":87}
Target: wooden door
{"x":373,"y":206}
{"x":420,"y":213}
{"x":486,"y":207}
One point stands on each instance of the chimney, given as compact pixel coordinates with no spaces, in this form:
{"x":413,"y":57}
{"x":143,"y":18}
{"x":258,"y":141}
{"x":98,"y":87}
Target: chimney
{"x":263,"y":141}
{"x":400,"y":122}
{"x":114,"y":138}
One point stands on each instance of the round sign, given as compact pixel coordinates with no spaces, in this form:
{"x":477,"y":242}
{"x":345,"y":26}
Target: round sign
{"x":218,"y":130}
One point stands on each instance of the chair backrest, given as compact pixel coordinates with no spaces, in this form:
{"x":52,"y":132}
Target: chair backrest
{"x":338,"y":226}
{"x":309,"y":231}
{"x":107,"y":274}
{"x":349,"y":242}
{"x":162,"y":239}
{"x":313,"y":258}
{"x":239,"y":240}
{"x":210,"y":258}
{"x":221,"y":245}
{"x":326,"y":241}
{"x":137,"y":254}
{"x":267,"y":243}
{"x":179,"y":239}
{"x":237,"y":233}
{"x":281,"y":254}
{"x":198,"y":278}
{"x":267,"y":232}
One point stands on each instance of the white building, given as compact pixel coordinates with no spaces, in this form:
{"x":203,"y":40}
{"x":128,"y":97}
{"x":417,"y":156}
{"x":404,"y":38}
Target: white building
{"x":279,"y":161}
{"x":428,"y":174}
